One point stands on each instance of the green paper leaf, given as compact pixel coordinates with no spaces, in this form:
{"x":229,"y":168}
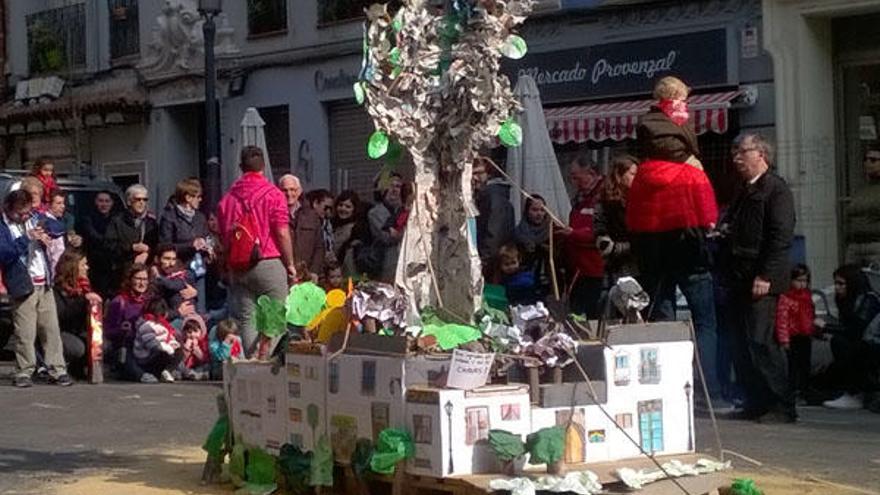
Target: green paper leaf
{"x":304,"y":303}
{"x":397,"y":22}
{"x":451,"y":335}
{"x":217,"y":438}
{"x":260,"y":467}
{"x":236,"y":464}
{"x":392,"y":447}
{"x":378,"y":145}
{"x":506,"y":445}
{"x":510,"y":134}
{"x":546,"y":445}
{"x":514,"y":47}
{"x":269,"y":317}
{"x":745,"y":486}
{"x":295,"y":465}
{"x":394,"y":56}
{"x":395,"y":151}
{"x":360,"y":93}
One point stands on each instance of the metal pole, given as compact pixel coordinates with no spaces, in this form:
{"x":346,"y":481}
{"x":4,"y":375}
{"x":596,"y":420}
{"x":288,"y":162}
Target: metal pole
{"x":212,"y":171}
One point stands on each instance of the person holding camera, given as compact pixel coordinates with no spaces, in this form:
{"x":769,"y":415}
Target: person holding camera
{"x":29,"y":283}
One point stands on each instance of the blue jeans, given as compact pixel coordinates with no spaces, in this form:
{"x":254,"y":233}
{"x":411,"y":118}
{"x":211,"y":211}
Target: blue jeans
{"x":698,"y":290}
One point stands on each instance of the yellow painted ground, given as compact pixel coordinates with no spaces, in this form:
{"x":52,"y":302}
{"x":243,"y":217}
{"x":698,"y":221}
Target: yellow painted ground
{"x":179,"y":472}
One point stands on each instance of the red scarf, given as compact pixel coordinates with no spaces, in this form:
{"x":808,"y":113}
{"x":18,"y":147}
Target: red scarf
{"x":49,"y":186}
{"x":235,"y":349}
{"x":133,"y":298}
{"x":676,"y":110}
{"x":81,"y":287}
{"x":170,"y":331}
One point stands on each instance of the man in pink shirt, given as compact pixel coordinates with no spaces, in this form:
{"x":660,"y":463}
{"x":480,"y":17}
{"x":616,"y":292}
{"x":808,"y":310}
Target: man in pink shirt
{"x":269,"y":276}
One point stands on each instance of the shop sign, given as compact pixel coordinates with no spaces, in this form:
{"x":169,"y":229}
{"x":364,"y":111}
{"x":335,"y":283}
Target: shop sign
{"x":334,"y":81}
{"x":626,"y":68}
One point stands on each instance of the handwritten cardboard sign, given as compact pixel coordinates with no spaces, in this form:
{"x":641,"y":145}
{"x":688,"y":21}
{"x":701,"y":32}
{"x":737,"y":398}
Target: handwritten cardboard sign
{"x":469,"y":370}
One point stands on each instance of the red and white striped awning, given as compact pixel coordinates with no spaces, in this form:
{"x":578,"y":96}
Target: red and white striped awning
{"x":617,"y":121}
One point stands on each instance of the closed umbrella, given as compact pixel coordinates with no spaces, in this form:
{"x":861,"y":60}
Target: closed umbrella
{"x":253,"y":134}
{"x":533,"y":165}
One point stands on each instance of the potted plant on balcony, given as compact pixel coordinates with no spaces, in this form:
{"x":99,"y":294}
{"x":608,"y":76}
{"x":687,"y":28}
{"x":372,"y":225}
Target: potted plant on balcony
{"x":509,"y":449}
{"x":546,"y":446}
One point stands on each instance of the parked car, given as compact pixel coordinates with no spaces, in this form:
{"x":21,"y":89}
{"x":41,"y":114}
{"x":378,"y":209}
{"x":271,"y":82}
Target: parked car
{"x":80,"y":199}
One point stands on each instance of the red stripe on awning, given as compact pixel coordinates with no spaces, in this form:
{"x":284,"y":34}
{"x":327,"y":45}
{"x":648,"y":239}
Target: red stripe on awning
{"x":617,"y":120}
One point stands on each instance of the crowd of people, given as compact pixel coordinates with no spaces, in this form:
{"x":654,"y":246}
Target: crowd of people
{"x":180,"y":290}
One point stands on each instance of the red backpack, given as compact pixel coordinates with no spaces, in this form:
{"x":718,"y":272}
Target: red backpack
{"x":243,"y":251}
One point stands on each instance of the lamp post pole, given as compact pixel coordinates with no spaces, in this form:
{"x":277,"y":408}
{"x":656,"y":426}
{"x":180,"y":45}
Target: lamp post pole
{"x":448,"y":408}
{"x":210,"y":9}
{"x":687,"y":391}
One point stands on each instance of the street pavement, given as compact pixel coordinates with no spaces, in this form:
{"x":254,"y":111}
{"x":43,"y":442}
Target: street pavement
{"x":50,"y":436}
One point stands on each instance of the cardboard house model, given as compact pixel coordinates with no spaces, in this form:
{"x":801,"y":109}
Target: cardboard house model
{"x":641,"y":377}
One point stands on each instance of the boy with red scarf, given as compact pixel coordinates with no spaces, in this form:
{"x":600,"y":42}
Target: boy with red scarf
{"x":670,"y":208}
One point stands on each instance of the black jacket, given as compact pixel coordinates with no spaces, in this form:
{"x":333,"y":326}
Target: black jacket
{"x":660,"y":138}
{"x":758,"y":229}
{"x":122,"y":234}
{"x":496,"y":222}
{"x":94,"y":232}
{"x":175,"y":228}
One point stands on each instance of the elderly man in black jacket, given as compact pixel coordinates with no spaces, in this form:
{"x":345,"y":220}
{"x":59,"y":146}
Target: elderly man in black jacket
{"x":758,"y":230}
{"x":133,"y":233}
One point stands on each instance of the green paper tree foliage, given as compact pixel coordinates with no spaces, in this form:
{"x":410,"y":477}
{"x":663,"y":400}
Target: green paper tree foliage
{"x":506,"y":445}
{"x":546,"y":445}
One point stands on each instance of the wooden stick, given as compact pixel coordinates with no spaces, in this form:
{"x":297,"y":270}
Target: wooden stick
{"x":522,"y":191}
{"x":553,"y":267}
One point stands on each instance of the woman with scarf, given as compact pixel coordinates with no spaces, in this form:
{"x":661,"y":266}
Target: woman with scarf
{"x":532,"y":236}
{"x":186,"y":228}
{"x":350,"y":230}
{"x":122,"y":316}
{"x":73,"y":297}
{"x":132,"y":234}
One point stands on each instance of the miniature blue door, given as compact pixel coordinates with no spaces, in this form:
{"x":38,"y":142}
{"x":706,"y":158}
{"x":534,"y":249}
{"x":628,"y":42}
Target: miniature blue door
{"x":651,"y":425}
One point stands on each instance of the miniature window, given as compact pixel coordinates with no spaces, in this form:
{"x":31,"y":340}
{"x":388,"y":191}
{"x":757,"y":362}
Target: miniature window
{"x":294,"y":389}
{"x":621,"y":368}
{"x":368,"y":378}
{"x":334,"y":378}
{"x":510,"y":412}
{"x":624,"y":420}
{"x":422,"y":463}
{"x":649,"y":369}
{"x":311,"y":373}
{"x":477,"y":423}
{"x":296,"y":439}
{"x":296,"y":415}
{"x":422,"y":432}
{"x":293,"y":370}
{"x":651,"y":425}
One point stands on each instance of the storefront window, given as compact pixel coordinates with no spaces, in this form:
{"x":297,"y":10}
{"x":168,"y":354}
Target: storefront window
{"x":860,"y":170}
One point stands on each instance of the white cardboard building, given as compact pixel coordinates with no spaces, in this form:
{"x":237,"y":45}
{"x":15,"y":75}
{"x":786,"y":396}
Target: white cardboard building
{"x":643,"y":380}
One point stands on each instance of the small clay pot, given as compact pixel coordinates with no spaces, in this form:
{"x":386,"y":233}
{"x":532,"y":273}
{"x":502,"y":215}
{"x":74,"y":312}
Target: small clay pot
{"x":556,"y":468}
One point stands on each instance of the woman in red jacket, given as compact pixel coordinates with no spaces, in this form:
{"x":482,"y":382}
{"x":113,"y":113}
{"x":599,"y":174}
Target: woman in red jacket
{"x":795,"y":314}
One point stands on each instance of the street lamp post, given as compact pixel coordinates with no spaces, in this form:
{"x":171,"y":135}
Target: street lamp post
{"x":688,"y":388}
{"x":448,"y":409}
{"x":209,"y":9}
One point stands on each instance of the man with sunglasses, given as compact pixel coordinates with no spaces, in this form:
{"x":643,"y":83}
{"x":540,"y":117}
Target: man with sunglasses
{"x":863,"y":215}
{"x":133,"y":233}
{"x":757,"y":235}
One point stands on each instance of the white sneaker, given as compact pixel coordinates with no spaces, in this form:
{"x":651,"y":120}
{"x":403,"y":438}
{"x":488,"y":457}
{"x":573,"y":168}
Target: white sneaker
{"x":167,"y":377}
{"x":845,"y":401}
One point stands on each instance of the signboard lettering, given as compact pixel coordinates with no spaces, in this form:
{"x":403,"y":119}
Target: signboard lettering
{"x":626,"y":68}
{"x":469,"y":370}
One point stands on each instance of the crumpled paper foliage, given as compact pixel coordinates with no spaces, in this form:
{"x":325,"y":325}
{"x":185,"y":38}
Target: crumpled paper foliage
{"x":295,"y":465}
{"x":214,"y":444}
{"x":321,"y":473}
{"x":361,"y":457}
{"x":392,"y":447}
{"x":304,"y":302}
{"x":580,"y":482}
{"x":269,"y":317}
{"x":506,"y":445}
{"x":451,"y":335}
{"x":260,"y":467}
{"x":745,"y":486}
{"x":638,"y":479}
{"x":380,"y":301}
{"x":546,"y":445}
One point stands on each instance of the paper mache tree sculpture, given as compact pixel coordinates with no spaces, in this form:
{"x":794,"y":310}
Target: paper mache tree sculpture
{"x":432,"y":84}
